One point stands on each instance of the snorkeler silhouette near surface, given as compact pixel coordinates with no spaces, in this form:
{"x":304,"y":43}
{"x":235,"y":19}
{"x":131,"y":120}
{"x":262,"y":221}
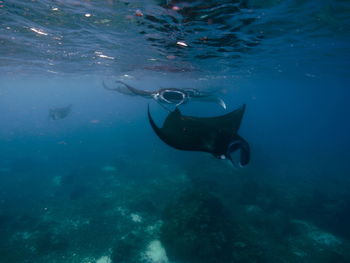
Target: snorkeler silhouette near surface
{"x":172,"y":96}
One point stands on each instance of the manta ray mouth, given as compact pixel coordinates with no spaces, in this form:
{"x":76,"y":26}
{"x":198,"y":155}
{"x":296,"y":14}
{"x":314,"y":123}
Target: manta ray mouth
{"x":241,"y":146}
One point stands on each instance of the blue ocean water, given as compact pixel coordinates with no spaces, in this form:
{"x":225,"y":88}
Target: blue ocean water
{"x":99,"y":186}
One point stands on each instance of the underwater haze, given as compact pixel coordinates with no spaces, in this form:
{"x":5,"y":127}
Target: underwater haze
{"x":84,"y":178}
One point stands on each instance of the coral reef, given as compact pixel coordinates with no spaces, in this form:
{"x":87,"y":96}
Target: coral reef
{"x":127,"y":249}
{"x":155,"y":253}
{"x":198,"y":228}
{"x":172,"y":215}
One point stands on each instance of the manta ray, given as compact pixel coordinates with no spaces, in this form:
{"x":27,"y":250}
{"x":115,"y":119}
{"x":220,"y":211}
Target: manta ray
{"x":215,"y":135}
{"x":173,"y":96}
{"x":60,"y":113}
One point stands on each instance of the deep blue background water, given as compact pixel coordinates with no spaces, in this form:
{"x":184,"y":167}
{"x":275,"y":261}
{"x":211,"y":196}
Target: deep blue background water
{"x":287,"y":60}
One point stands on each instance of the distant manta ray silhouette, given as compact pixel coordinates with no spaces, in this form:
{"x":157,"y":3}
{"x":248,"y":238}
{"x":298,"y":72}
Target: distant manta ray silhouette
{"x":173,"y":96}
{"x":60,"y":113}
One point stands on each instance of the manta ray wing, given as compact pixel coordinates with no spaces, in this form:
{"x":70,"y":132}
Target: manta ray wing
{"x":180,"y":133}
{"x":229,"y":122}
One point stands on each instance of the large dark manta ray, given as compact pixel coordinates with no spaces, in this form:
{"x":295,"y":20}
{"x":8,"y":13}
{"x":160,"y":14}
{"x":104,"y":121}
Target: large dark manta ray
{"x":215,"y":135}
